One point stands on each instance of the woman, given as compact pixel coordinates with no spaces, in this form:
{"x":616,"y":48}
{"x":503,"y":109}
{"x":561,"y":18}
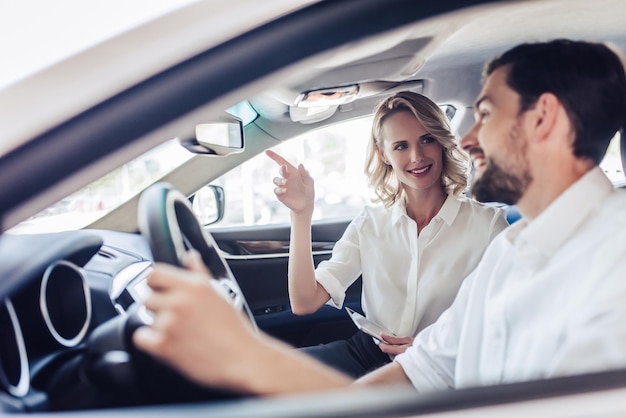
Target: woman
{"x":407,"y":249}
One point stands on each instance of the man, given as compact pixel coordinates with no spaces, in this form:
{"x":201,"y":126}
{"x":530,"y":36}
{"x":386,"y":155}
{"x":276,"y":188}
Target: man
{"x":545,"y":300}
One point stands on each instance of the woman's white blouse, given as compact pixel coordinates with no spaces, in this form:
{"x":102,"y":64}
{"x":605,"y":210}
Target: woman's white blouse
{"x":409,"y":280}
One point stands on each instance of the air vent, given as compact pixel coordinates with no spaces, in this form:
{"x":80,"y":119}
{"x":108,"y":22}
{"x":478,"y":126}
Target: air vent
{"x":106,"y":254}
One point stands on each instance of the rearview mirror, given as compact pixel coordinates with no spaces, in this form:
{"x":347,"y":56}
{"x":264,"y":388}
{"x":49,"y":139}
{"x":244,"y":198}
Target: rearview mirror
{"x":220,"y":136}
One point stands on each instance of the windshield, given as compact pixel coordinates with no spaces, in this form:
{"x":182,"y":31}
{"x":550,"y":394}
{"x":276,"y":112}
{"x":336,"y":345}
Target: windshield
{"x":107,"y":193}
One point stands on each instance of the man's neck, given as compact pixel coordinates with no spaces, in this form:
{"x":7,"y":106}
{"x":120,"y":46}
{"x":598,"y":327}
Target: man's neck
{"x":545,"y":189}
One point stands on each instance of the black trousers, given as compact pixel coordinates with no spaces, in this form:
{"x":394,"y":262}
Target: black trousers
{"x":355,"y":356}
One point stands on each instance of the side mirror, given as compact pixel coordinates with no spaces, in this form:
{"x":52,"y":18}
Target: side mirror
{"x":208,"y":204}
{"x":222,"y":135}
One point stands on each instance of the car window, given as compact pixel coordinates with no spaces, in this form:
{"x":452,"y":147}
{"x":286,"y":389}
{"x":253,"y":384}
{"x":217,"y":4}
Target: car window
{"x":612,"y":162}
{"x":107,"y":193}
{"x":335,"y":157}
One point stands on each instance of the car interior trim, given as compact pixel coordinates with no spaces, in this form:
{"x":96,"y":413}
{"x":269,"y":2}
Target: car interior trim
{"x":48,"y":286}
{"x":126,"y":276}
{"x":234,"y":257}
{"x":18,"y":385}
{"x":279,"y":247}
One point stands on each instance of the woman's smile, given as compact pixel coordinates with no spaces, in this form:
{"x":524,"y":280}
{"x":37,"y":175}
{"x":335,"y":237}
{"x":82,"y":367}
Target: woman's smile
{"x":420,"y":172}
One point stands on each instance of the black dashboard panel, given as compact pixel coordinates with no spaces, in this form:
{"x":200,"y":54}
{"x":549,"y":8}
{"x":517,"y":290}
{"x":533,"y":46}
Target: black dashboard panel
{"x":26,"y":257}
{"x":56,"y":289}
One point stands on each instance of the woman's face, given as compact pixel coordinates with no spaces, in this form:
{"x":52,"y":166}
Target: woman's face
{"x":415,"y":156}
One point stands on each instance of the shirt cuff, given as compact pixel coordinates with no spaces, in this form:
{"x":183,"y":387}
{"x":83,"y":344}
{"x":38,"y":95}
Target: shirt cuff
{"x":334,"y":289}
{"x":419,"y":372}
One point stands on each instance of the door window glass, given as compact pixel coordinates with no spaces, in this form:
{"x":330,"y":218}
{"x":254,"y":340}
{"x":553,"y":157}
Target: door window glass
{"x":335,"y":157}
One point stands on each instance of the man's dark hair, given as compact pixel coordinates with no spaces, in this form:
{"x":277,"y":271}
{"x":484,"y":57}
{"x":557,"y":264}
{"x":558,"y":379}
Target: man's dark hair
{"x":587,"y":78}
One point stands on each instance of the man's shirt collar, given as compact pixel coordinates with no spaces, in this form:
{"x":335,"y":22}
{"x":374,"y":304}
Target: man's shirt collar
{"x":556,"y":224}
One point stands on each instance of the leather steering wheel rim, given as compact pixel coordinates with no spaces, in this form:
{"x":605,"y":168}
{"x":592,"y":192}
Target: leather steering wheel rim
{"x":167,"y":221}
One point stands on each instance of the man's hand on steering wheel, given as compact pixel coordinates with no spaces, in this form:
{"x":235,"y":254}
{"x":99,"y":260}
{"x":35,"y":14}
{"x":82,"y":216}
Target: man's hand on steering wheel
{"x":194,"y":327}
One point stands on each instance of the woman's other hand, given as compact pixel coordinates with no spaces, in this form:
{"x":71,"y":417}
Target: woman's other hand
{"x":394,"y":345}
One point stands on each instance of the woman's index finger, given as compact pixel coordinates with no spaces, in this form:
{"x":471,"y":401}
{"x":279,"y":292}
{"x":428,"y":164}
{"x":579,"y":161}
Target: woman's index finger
{"x":278,"y":158}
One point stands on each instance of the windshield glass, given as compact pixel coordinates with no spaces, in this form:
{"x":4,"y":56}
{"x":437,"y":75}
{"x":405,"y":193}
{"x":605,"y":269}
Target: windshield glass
{"x":105,"y":194}
{"x":109,"y":192}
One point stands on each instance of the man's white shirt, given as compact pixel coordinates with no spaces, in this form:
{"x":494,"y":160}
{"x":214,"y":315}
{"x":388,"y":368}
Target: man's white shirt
{"x":547,"y":299}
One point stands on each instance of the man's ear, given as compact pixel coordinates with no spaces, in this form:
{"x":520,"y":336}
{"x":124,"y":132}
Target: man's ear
{"x":544,"y":116}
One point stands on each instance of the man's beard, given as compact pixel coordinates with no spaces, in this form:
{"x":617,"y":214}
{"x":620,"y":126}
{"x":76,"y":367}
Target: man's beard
{"x":498,"y":185}
{"x":505,"y":186}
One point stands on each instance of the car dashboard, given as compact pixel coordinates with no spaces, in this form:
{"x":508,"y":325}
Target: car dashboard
{"x":63,"y":287}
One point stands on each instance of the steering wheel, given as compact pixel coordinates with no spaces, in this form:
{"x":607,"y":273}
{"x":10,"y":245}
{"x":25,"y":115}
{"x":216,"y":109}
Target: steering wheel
{"x":171,"y":228}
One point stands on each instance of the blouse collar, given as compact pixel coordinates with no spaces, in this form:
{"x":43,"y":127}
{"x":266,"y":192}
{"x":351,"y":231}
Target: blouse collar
{"x":447,"y":213}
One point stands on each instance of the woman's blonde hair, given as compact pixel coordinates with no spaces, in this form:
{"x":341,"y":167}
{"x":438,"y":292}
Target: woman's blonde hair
{"x":381,"y":177}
